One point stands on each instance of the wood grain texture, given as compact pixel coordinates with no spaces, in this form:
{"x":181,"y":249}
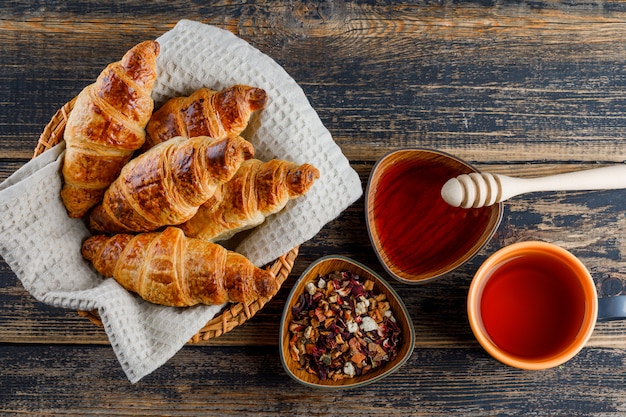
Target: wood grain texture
{"x":236,"y":381}
{"x":523,"y":88}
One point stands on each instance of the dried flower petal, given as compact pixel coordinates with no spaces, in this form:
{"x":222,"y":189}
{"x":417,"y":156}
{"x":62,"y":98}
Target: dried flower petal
{"x":341,"y":329}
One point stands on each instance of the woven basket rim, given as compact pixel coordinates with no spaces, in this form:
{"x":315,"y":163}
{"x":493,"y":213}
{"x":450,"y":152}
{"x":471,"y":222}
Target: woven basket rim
{"x":234,"y":314}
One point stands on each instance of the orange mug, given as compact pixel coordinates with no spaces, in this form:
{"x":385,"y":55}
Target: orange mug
{"x":532,"y":305}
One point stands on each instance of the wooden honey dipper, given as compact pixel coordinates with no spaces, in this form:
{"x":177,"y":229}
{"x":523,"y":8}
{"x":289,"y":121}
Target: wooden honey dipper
{"x":484,"y":189}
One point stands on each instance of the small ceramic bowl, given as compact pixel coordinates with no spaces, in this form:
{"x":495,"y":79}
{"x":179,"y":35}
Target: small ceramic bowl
{"x":416,"y":235}
{"x":323,"y":267}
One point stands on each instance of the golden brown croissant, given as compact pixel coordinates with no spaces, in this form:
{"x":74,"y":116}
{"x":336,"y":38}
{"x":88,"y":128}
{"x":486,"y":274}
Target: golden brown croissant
{"x":257,"y":190}
{"x":205,"y":113}
{"x":106,"y":125}
{"x":170,"y":269}
{"x":166,"y":185}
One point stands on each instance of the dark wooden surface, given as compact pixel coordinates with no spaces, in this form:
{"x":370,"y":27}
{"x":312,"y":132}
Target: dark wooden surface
{"x":521,"y":88}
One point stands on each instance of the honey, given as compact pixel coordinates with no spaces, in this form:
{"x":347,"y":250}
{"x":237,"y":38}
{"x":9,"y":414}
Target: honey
{"x":419,"y":233}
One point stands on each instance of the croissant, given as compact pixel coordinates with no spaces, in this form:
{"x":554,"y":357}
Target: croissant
{"x":205,"y":113}
{"x":257,"y":190}
{"x":166,"y":185}
{"x":106,"y":125}
{"x":170,"y":269}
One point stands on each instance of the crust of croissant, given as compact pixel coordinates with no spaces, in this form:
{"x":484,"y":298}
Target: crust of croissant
{"x":166,"y":185}
{"x":170,"y":269}
{"x":258,"y":190}
{"x":106,"y":125}
{"x":206,"y":112}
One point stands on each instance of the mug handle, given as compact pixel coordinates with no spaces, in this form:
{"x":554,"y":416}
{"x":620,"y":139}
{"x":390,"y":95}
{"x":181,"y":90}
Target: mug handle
{"x":612,"y":308}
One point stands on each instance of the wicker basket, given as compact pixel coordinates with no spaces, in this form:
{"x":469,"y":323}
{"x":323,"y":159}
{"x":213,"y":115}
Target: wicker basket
{"x":234,"y":314}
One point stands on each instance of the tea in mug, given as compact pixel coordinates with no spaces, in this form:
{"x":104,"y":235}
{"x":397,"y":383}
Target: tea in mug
{"x":533,"y":305}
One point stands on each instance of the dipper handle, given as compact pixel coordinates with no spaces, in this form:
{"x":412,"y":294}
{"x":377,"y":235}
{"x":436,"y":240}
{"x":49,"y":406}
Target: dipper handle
{"x":484,"y":189}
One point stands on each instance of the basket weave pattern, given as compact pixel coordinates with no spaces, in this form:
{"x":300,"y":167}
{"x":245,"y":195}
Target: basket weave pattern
{"x":234,"y":314}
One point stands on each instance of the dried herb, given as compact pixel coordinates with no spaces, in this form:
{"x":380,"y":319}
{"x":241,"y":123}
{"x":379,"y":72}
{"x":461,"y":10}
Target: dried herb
{"x":341,"y":329}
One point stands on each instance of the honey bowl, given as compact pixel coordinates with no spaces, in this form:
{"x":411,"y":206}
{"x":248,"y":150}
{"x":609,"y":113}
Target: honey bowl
{"x":416,"y":235}
{"x":343,"y":326}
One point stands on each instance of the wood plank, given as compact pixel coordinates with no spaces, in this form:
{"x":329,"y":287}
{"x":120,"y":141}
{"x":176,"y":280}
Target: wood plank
{"x":449,"y":90}
{"x":229,"y":381}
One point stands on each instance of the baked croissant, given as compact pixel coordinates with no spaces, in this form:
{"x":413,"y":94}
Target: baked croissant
{"x":170,"y":269}
{"x":166,"y":185}
{"x":106,"y":125}
{"x":257,"y":190}
{"x":205,"y":113}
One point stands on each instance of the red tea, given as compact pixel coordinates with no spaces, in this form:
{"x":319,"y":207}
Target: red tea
{"x":533,"y":306}
{"x":418,"y":231}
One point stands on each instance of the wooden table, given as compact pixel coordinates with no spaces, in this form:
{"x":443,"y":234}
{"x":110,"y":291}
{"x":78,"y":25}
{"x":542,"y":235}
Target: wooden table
{"x":526,"y":88}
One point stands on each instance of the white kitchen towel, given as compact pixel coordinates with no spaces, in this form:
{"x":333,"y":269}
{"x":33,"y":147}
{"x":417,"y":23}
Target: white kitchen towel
{"x":42,"y":244}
